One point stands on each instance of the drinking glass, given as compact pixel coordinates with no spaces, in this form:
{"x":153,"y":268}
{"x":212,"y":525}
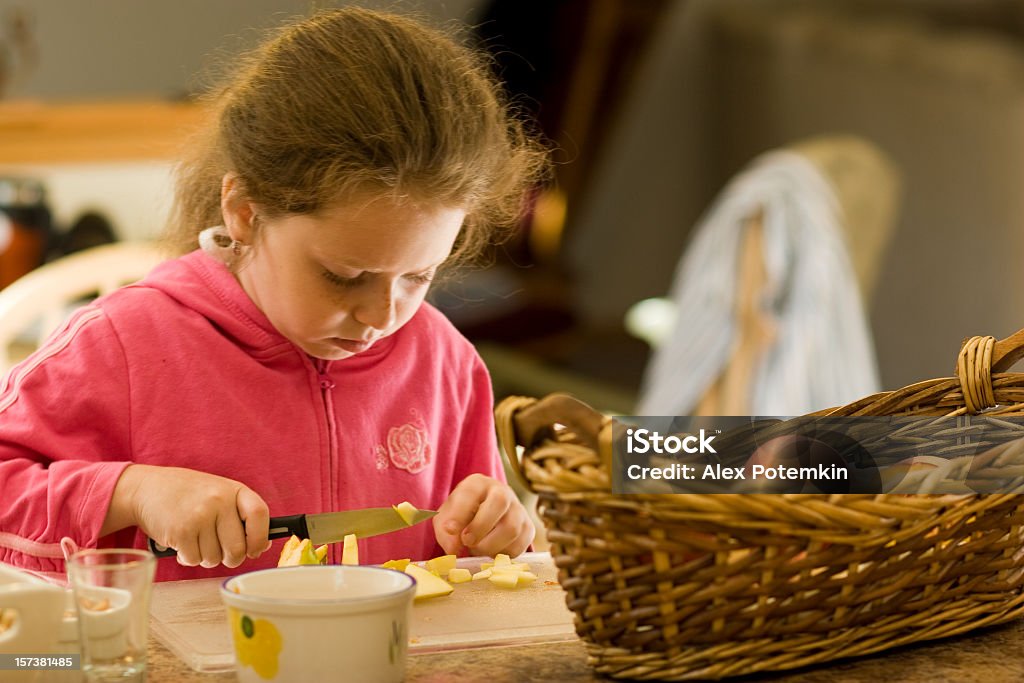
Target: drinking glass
{"x":112,"y":589}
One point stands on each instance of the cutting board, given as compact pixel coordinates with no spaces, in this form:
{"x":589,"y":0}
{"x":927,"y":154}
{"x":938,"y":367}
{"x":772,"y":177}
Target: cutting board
{"x":188,"y":616}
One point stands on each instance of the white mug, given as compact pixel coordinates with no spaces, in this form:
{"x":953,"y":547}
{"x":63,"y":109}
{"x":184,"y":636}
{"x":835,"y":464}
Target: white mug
{"x":319,"y":623}
{"x":38,"y":623}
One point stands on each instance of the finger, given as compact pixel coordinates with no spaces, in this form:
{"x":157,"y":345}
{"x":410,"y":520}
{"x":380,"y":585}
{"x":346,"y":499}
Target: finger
{"x":209,"y":545}
{"x":458,"y":510}
{"x":448,"y":540}
{"x":512,"y":535}
{"x":511,"y":538}
{"x":231,"y":535}
{"x":253,"y":511}
{"x":501,"y":536}
{"x":523,"y":541}
{"x":188,"y":550}
{"x":490,"y":512}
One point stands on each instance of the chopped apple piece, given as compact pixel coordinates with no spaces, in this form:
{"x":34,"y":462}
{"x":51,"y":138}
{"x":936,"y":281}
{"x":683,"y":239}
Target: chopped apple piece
{"x":400,"y":565}
{"x":484,"y":574}
{"x":518,"y":566}
{"x":512,"y":579}
{"x":502,"y":558}
{"x":459,"y":575}
{"x":287,"y":550}
{"x":427,"y":585}
{"x":296,"y":552}
{"x":350,"y":550}
{"x":307,"y":553}
{"x":526,"y":577}
{"x":504,"y":579}
{"x":442,"y":565}
{"x":407,"y":511}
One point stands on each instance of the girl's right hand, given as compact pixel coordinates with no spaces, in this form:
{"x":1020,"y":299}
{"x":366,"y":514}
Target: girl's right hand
{"x":208,"y":519}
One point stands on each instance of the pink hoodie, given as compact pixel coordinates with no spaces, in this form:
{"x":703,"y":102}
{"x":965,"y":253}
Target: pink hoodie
{"x":183,"y":370}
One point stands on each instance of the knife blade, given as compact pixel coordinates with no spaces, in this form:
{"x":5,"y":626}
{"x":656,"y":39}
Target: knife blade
{"x":330,"y":527}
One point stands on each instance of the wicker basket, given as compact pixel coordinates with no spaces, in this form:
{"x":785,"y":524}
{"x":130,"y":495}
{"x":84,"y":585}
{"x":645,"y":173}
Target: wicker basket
{"x":678,"y":587}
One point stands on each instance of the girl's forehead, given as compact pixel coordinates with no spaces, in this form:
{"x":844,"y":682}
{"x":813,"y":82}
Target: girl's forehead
{"x":381,"y":236}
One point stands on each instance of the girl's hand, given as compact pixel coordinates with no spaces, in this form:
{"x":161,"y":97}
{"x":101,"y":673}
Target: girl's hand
{"x":485,"y":516}
{"x":208,"y":519}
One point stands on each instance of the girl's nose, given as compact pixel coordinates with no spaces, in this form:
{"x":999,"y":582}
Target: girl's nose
{"x":377,"y":310}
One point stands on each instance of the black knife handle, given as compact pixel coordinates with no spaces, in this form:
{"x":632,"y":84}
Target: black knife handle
{"x":280,"y":527}
{"x":292,"y":525}
{"x":161,"y":550}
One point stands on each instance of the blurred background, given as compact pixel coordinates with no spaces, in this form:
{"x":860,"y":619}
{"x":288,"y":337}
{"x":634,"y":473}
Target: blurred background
{"x":652,"y":106}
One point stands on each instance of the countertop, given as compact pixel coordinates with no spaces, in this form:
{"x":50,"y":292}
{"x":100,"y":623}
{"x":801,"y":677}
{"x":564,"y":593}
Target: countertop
{"x":992,"y":655}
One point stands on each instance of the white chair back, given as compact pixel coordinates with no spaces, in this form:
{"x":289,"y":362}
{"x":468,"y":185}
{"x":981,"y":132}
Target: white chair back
{"x":35,"y":305}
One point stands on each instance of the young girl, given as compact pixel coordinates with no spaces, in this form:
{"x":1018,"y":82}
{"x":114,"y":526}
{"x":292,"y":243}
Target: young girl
{"x":290,"y":365}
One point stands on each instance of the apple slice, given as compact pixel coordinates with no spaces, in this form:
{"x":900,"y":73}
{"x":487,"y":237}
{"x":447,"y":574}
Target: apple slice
{"x":407,"y":511}
{"x":442,"y":565}
{"x":504,"y":579}
{"x":307,"y":553}
{"x":427,"y":585}
{"x":296,"y":552}
{"x":526,"y":577}
{"x":459,"y":575}
{"x":512,"y":579}
{"x":511,"y":567}
{"x":399,"y":565}
{"x":350,"y":550}
{"x":287,"y":550}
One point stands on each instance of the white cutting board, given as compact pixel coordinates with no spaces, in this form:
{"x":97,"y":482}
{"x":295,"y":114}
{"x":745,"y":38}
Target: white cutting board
{"x":188,"y":616}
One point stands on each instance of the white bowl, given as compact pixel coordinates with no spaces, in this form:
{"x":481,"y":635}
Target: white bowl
{"x":315,"y":623}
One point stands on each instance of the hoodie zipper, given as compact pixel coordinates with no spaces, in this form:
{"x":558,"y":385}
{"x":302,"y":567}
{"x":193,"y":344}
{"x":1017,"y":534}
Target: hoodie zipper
{"x":326,"y":384}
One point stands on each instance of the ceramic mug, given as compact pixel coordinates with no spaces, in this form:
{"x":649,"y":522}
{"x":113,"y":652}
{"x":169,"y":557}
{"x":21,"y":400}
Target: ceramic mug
{"x":35,"y":625}
{"x":316,"y":623}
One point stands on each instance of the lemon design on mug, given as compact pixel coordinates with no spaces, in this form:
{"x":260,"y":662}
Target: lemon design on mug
{"x":257,"y":643}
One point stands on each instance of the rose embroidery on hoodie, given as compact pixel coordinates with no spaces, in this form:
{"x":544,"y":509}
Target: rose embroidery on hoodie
{"x":407,"y":447}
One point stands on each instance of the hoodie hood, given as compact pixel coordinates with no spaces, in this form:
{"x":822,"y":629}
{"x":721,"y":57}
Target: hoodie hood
{"x":191,"y":279}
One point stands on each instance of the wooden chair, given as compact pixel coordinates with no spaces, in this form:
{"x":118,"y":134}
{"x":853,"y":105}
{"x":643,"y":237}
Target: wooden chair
{"x":35,"y":305}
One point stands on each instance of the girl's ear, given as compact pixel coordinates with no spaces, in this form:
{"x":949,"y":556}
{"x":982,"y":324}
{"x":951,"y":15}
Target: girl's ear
{"x":237,"y":210}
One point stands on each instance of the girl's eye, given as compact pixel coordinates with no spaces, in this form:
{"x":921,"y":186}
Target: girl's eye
{"x":340,"y":281}
{"x":421,"y":278}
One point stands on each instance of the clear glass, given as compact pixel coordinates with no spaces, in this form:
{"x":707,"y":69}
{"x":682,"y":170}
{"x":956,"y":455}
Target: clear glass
{"x":112,"y":589}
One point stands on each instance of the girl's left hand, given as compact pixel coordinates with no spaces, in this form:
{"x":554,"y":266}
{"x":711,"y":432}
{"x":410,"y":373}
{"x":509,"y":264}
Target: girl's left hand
{"x":485,"y":516}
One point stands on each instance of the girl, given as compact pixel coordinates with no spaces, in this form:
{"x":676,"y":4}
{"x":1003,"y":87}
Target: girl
{"x":289,"y":365}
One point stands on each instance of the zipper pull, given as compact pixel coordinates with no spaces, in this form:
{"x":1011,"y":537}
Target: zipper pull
{"x":320,"y":365}
{"x":325,"y":381}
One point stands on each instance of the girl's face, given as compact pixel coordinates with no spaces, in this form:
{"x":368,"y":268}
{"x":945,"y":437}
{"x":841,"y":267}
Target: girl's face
{"x":336,"y":282}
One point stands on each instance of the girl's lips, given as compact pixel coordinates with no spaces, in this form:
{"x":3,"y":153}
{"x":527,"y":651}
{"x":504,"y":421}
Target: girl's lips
{"x":351,"y":345}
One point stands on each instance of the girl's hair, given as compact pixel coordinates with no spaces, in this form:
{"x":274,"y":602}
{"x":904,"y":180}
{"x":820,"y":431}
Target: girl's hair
{"x":352,"y":103}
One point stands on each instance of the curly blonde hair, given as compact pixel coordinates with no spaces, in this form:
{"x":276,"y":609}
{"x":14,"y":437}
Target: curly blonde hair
{"x":353,"y":102}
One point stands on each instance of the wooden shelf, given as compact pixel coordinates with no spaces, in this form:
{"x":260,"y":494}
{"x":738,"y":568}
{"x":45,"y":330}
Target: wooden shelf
{"x":36,"y":132}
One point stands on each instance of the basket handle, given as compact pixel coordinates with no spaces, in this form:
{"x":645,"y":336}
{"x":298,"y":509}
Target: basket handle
{"x":1007,"y":352}
{"x":531,"y":421}
{"x":535,"y":422}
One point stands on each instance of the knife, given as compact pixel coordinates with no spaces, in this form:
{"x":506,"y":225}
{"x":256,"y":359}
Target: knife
{"x":329,"y":527}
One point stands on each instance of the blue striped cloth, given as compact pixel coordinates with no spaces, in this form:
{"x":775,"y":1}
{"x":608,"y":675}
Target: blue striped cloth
{"x":822,"y":354}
